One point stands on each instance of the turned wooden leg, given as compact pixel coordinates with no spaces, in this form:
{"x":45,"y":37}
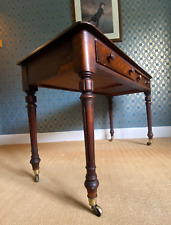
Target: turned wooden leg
{"x":31,"y":107}
{"x":110,"y":105}
{"x":87,"y":99}
{"x":149,"y":117}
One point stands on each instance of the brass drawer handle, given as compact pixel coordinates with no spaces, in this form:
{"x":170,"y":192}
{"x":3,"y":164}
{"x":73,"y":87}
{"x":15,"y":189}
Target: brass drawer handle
{"x":111,"y":56}
{"x":131,"y":71}
{"x":140,"y":77}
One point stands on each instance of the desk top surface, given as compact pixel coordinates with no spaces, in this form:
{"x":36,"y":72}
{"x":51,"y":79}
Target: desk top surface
{"x":82,"y":47}
{"x":76,"y":28}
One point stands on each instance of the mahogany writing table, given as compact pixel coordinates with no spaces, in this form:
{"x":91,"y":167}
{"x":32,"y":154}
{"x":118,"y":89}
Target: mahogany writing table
{"x":82,"y":59}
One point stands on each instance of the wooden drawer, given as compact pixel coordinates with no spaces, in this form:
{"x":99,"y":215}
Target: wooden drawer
{"x":110,"y":59}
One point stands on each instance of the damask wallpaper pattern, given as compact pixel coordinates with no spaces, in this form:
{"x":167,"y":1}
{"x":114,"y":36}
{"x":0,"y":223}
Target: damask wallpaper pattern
{"x":25,"y":25}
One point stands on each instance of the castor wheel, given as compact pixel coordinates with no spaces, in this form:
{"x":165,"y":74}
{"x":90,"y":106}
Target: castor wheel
{"x":37,"y":178}
{"x":149,"y":142}
{"x":111,"y":139}
{"x":36,"y":175}
{"x":97,"y":210}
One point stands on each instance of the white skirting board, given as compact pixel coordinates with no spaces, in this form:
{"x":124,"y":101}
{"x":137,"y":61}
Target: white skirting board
{"x":120,"y":133}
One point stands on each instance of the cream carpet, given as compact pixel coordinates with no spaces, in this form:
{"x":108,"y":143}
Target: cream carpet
{"x":135,"y":184}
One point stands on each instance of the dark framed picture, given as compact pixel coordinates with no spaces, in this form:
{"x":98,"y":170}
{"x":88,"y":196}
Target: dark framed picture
{"x":104,"y":14}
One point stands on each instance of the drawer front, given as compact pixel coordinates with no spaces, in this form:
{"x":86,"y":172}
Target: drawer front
{"x":108,"y":58}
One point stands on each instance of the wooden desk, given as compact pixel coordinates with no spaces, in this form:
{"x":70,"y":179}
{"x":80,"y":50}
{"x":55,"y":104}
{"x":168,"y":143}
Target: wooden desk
{"x":82,"y":59}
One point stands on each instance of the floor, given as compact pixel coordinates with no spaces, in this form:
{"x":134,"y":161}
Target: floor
{"x":135,"y":184}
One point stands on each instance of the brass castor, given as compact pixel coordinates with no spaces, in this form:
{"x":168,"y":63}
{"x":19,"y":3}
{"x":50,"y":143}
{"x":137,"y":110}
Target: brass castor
{"x":149,"y":142}
{"x":111,"y":139}
{"x":97,"y":210}
{"x":37,"y":178}
{"x":36,"y":173}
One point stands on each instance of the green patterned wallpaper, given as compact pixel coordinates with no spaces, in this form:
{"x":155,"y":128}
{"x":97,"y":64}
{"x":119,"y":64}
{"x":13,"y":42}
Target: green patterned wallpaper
{"x":25,"y":25}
